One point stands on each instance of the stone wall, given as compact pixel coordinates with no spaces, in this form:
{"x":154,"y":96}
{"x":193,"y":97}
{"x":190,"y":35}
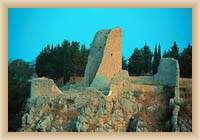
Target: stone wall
{"x":168,"y":72}
{"x":95,"y":56}
{"x":117,"y":84}
{"x":43,"y":87}
{"x":105,"y":59}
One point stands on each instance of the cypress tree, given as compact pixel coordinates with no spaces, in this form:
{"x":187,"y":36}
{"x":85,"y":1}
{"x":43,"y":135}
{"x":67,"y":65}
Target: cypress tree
{"x":155,"y":60}
{"x":159,"y":56}
{"x":159,"y":53}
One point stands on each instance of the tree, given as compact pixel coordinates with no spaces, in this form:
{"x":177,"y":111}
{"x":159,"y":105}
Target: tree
{"x":124,"y":64}
{"x":159,"y":54}
{"x":155,"y":60}
{"x":186,"y":62}
{"x":184,"y":58}
{"x":173,"y":52}
{"x":134,"y":64}
{"x":165,"y":54}
{"x":146,"y":63}
{"x":75,"y":58}
{"x":83,"y":60}
{"x":19,"y":72}
{"x":140,"y":62}
{"x":62,"y":61}
{"x":67,"y":61}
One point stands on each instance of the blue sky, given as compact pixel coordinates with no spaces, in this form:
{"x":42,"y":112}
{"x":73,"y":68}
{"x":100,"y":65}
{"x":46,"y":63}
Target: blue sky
{"x":31,"y":29}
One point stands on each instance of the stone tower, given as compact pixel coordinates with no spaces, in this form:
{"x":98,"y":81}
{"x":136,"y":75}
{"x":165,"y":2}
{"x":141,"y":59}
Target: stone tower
{"x":105,"y":58}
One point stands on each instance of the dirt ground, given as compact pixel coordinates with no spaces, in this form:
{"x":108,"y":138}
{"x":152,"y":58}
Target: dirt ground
{"x":185,"y":114}
{"x":154,"y":98}
{"x":156,"y":111}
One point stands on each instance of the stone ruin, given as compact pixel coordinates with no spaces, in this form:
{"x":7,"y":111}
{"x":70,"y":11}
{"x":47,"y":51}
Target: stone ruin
{"x":43,"y":87}
{"x":103,"y":73}
{"x":168,"y":74}
{"x":105,"y":59}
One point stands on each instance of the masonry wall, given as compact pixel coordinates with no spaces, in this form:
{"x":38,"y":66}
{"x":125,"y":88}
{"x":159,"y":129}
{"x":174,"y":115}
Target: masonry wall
{"x":168,"y":72}
{"x":105,"y":58}
{"x":43,"y":87}
{"x":95,"y":56}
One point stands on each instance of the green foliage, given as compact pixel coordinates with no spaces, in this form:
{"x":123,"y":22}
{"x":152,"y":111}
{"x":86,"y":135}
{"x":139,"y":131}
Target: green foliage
{"x":63,"y":61}
{"x":173,"y":52}
{"x":19,"y":72}
{"x":146,"y":59}
{"x":186,"y":62}
{"x":140,"y":62}
{"x":155,"y":61}
{"x":184,"y":58}
{"x":159,"y":53}
{"x":124,"y":64}
{"x":134,"y":65}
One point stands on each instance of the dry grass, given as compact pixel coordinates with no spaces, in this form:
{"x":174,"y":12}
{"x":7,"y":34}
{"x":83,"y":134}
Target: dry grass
{"x":74,"y":79}
{"x":144,"y":88}
{"x":186,"y":95}
{"x":157,"y":120}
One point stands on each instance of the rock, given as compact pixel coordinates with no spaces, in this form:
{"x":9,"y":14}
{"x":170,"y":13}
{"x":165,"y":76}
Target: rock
{"x":185,"y":125}
{"x":29,"y":118}
{"x":135,"y":93}
{"x":44,"y":125}
{"x":81,"y":124}
{"x":100,"y":112}
{"x":139,"y":107}
{"x":100,"y":130}
{"x":117,"y":114}
{"x":43,"y":86}
{"x":168,"y":72}
{"x":174,"y":118}
{"x":154,"y":108}
{"x":38,"y":101}
{"x":53,"y":129}
{"x":65,"y":108}
{"x":133,"y":123}
{"x":117,"y":84}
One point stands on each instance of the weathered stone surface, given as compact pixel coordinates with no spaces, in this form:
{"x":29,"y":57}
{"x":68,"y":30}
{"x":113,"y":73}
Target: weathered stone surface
{"x":85,"y":110}
{"x":105,"y":59}
{"x":174,"y":118}
{"x":168,"y":72}
{"x":44,"y":86}
{"x":117,"y":84}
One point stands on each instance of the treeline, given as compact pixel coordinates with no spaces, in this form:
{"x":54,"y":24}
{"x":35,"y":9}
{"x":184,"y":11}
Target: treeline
{"x":144,"y":62}
{"x":70,"y":59}
{"x":19,"y":72}
{"x":62,"y":61}
{"x":184,"y":58}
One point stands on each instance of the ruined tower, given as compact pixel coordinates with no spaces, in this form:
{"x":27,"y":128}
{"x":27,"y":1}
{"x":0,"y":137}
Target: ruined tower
{"x":105,"y":58}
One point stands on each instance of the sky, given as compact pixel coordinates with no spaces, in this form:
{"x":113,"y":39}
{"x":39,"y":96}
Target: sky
{"x":31,"y":29}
